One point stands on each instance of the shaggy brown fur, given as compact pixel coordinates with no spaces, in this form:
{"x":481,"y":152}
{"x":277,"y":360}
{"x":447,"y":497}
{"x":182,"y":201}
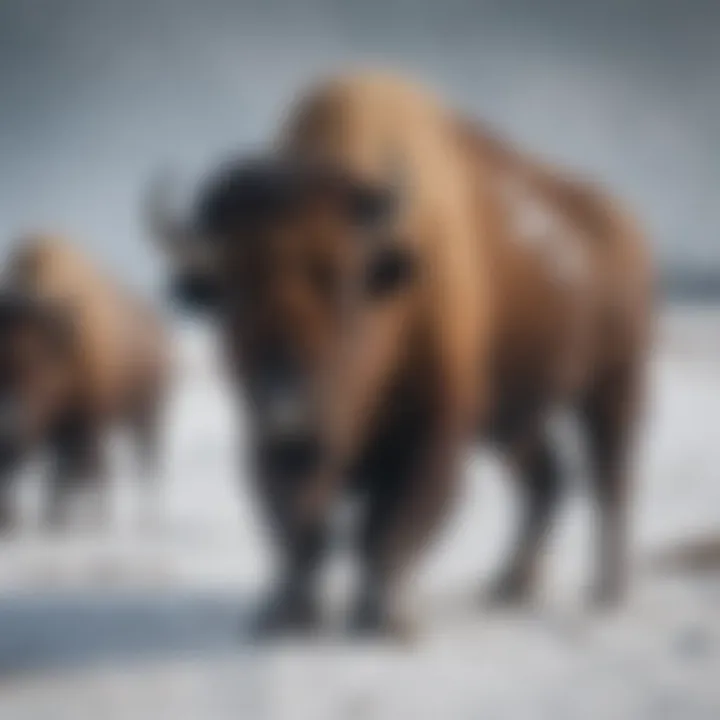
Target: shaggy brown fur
{"x":111,"y":368}
{"x":532,"y":291}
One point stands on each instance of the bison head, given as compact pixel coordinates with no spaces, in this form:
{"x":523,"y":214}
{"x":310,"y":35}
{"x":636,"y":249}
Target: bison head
{"x":305,"y":267}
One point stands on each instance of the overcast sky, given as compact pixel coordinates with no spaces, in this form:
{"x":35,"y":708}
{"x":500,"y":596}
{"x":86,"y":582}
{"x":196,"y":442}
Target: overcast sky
{"x":94,"y":94}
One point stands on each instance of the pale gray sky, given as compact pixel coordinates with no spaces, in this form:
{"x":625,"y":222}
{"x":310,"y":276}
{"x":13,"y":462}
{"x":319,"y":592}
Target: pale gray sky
{"x":96,"y":93}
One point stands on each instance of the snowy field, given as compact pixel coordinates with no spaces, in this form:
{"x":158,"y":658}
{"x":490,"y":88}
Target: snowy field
{"x":147,"y":623}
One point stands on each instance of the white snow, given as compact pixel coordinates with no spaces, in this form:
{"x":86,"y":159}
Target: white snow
{"x":147,"y":624}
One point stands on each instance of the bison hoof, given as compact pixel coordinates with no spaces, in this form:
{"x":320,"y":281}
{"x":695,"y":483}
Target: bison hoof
{"x":7,"y":521}
{"x":286,"y":614}
{"x":606,"y":596}
{"x":512,"y":589}
{"x":375,"y":620}
{"x":55,"y":524}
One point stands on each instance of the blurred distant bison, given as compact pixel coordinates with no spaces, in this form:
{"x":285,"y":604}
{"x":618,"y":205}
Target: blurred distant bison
{"x":394,"y":282}
{"x":77,"y":357}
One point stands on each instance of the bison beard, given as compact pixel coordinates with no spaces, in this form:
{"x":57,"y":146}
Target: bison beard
{"x":406,"y":476}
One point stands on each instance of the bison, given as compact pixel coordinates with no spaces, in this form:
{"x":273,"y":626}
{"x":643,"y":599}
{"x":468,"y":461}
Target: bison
{"x":78,"y":356}
{"x":395,"y":283}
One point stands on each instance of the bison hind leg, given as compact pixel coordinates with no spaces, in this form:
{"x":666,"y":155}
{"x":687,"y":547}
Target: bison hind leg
{"x":145,"y":426}
{"x":80,"y":464}
{"x":540,"y":480}
{"x":610,"y":415}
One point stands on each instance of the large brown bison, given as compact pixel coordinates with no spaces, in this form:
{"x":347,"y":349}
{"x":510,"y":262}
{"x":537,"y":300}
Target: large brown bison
{"x":394,"y":283}
{"x":78,"y":356}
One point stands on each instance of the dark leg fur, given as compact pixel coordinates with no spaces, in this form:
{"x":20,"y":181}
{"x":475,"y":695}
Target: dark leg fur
{"x":540,"y":479}
{"x":292,"y":604}
{"x":610,"y":415}
{"x":414,"y":476}
{"x":79,"y":463}
{"x":146,"y":429}
{"x":7,"y":514}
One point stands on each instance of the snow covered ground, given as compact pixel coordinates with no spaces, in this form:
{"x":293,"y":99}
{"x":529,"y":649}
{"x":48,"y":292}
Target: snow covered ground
{"x":148,"y":624}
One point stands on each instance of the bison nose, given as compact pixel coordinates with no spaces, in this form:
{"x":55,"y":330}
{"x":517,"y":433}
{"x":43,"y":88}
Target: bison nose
{"x":280,"y":393}
{"x":290,"y":457}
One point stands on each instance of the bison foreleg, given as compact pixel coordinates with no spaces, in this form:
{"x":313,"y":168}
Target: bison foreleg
{"x":408,"y":500}
{"x":292,"y":604}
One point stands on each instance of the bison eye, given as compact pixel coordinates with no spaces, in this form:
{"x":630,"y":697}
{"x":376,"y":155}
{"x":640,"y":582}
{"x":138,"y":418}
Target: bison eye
{"x":388,"y":271}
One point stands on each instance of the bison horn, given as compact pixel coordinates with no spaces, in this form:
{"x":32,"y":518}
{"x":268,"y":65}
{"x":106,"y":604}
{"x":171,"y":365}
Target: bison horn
{"x":166,"y":225}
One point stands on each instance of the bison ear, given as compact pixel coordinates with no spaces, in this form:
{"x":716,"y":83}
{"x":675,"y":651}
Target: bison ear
{"x":168,"y":228}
